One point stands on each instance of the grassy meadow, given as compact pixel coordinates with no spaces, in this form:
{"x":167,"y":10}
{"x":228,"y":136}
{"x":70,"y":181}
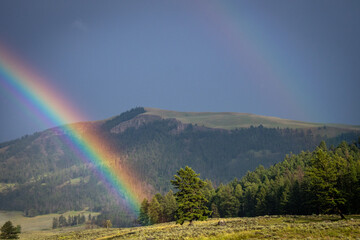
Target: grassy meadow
{"x":41,"y":225}
{"x":266,"y":227}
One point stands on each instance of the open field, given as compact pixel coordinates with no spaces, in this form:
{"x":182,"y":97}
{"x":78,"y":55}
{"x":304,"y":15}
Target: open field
{"x":266,"y":227}
{"x":38,"y":223}
{"x":229,"y":120}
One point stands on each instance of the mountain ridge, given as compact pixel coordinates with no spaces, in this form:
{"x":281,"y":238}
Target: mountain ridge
{"x":218,"y":120}
{"x":156,"y":145}
{"x":233,"y":120}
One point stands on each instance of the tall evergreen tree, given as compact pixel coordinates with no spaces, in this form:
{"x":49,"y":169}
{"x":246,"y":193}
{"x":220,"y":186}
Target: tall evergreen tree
{"x":229,"y":205}
{"x":144,"y":213}
{"x":8,"y":231}
{"x":170,"y":207}
{"x":214,"y":211}
{"x":322,"y":177}
{"x":62,"y":221}
{"x":190,"y":197}
{"x":55,"y":223}
{"x":260,"y":207}
{"x":154,"y":211}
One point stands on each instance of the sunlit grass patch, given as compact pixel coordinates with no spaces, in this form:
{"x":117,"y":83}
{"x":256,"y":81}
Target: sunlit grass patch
{"x":266,"y":227}
{"x":38,"y":223}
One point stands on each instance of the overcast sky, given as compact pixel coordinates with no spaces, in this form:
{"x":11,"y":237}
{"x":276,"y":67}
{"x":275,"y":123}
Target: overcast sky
{"x":291,"y":59}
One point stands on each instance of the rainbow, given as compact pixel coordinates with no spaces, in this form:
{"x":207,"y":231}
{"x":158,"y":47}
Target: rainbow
{"x":35,"y":92}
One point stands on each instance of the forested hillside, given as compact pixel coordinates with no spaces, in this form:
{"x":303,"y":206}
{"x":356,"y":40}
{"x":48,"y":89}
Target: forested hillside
{"x":41,"y":174}
{"x":322,"y":181}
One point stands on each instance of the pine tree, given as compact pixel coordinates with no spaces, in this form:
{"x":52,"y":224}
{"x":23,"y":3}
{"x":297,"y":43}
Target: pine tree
{"x":190,"y":197}
{"x":250,"y":198}
{"x":229,"y":204}
{"x":55,"y":223}
{"x":62,"y":221}
{"x":107,"y":224}
{"x":170,"y":206}
{"x":215,"y":211}
{"x":239,"y":194}
{"x":82,"y":219}
{"x":144,"y":213}
{"x":154,"y":211}
{"x":161,"y":213}
{"x":260,"y":207}
{"x":8,"y":231}
{"x":322,"y":177}
{"x":69,"y":221}
{"x":209,"y":191}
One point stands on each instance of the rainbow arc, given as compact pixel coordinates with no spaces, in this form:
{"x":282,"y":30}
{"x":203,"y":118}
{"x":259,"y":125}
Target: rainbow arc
{"x":35,"y":92}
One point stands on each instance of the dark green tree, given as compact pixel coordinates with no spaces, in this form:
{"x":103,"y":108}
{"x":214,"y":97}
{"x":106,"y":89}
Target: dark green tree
{"x":322,"y":177}
{"x":144,"y":213}
{"x":228,"y":204}
{"x":69,"y":220}
{"x":260,"y":207}
{"x":55,"y":223}
{"x":160,"y":211}
{"x":215,"y":211}
{"x":154,"y":211}
{"x":209,"y":191}
{"x":250,"y":198}
{"x":8,"y":231}
{"x":62,"y":221}
{"x":82,"y":219}
{"x":170,"y":207}
{"x":190,"y":197}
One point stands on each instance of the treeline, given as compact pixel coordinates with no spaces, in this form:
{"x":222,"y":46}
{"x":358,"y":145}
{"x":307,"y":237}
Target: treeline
{"x":117,"y":215}
{"x":160,"y":209}
{"x":62,"y":221}
{"x":322,"y":181}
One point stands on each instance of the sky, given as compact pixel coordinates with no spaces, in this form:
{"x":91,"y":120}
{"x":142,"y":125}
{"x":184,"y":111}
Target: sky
{"x":297,"y":60}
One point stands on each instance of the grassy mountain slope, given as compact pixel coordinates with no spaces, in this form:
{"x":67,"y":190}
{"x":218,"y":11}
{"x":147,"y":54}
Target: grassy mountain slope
{"x":231,"y":120}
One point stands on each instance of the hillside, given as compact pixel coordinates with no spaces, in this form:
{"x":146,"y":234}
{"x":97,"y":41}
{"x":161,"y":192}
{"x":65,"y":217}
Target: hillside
{"x":232,"y":120}
{"x":40,"y":174}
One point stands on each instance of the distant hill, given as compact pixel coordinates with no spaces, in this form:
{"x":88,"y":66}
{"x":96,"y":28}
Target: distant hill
{"x":40,"y":174}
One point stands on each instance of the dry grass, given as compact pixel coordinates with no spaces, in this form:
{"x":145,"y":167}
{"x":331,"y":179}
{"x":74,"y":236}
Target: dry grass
{"x":267,"y":227}
{"x":38,"y":223}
